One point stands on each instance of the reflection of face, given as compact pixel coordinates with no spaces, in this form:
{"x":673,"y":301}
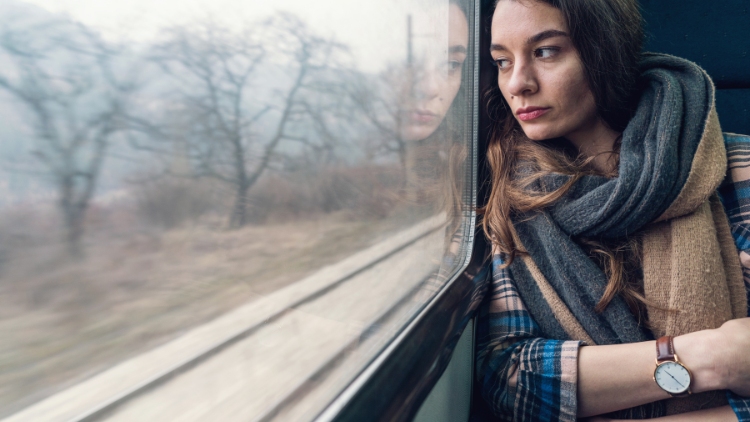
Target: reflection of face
{"x":436,"y":81}
{"x":540,"y":73}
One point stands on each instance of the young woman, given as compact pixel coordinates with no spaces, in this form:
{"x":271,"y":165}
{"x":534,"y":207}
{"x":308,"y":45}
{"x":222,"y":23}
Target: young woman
{"x":435,"y":79}
{"x":612,"y":251}
{"x":432,"y":125}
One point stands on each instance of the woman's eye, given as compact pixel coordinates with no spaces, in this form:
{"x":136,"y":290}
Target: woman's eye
{"x":454,"y":65}
{"x":502,"y":63}
{"x":546,"y":52}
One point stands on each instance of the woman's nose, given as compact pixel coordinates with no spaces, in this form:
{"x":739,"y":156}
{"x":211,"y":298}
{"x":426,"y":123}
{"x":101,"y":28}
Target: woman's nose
{"x":427,"y":85}
{"x":522,"y":80}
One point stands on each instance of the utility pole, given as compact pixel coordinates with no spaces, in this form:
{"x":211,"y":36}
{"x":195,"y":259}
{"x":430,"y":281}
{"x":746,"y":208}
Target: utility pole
{"x":408,"y":41}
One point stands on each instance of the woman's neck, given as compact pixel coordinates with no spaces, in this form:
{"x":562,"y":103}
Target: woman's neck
{"x":598,"y":141}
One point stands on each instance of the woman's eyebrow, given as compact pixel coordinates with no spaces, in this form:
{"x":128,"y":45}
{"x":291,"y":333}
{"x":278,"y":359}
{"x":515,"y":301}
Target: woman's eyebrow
{"x":457,"y":49}
{"x":550,"y":33}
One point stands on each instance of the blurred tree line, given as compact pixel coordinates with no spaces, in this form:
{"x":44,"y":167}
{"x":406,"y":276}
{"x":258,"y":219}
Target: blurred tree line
{"x":203,"y":103}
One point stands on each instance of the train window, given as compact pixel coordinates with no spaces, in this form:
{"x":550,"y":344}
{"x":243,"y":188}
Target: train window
{"x":218,"y":210}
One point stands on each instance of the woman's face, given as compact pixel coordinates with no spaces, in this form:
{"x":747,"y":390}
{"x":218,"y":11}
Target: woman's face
{"x":436,"y":79}
{"x":540,"y":73}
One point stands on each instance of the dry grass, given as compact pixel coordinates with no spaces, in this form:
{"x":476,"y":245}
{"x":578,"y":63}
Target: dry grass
{"x":63,"y":321}
{"x":159,"y":260}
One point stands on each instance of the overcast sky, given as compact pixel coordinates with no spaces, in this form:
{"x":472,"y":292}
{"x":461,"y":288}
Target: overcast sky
{"x":375,"y":30}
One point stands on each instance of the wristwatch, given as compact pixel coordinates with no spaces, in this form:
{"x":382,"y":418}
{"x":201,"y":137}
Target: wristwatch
{"x":670,"y":374}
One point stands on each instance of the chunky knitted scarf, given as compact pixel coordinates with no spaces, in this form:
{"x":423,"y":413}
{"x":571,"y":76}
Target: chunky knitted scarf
{"x":672,"y":159}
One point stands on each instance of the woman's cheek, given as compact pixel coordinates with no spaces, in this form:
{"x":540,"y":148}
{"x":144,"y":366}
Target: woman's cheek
{"x":454,"y":83}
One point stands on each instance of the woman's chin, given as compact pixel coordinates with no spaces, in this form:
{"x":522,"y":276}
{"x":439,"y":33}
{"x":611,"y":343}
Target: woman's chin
{"x":539,"y":133}
{"x":417,"y":132}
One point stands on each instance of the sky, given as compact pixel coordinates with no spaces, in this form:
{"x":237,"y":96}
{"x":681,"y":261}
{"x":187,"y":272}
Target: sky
{"x":375,"y":30}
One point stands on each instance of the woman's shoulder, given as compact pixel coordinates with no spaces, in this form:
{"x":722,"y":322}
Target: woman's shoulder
{"x":735,"y":138}
{"x":738,"y":157}
{"x":735,"y":191}
{"x":737,"y":147}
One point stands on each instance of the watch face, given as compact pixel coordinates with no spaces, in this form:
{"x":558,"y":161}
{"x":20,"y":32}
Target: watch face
{"x":672,"y":377}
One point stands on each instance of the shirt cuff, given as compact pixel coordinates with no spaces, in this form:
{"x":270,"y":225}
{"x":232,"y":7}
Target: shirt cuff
{"x":551,"y":373}
{"x":740,"y":405}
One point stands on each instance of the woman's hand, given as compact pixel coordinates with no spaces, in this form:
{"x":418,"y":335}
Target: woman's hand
{"x":733,"y":355}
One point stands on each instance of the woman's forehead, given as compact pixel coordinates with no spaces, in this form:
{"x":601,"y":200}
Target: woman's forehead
{"x":518,"y":21}
{"x":458,"y":27}
{"x":437,"y":37}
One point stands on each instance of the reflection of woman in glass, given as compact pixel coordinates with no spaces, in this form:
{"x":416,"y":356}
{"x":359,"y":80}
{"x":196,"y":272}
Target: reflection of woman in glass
{"x":432,"y":123}
{"x":612,"y":249}
{"x":435,"y":81}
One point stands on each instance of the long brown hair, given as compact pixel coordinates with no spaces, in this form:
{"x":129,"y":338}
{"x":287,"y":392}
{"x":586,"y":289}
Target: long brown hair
{"x":608,"y":36}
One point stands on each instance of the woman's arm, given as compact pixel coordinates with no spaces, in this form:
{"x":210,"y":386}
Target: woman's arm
{"x":620,"y":376}
{"x":717,"y":414}
{"x":524,"y":375}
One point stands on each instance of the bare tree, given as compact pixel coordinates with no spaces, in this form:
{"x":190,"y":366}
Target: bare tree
{"x":236,"y":124}
{"x":61,"y":73}
{"x":381,"y":100}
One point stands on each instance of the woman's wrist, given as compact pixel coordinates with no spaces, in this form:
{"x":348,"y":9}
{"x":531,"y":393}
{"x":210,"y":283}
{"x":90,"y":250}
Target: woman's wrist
{"x":699,"y":352}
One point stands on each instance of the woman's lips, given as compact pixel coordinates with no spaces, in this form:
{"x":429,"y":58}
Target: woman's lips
{"x":531,"y":113}
{"x":422,"y":116}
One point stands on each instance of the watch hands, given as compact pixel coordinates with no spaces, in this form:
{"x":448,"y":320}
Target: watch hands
{"x":675,"y":379}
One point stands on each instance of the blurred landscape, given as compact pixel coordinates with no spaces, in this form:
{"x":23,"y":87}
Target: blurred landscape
{"x":63,"y":320}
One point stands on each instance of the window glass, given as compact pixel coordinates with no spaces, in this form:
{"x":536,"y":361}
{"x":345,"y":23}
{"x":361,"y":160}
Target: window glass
{"x":222,"y":210}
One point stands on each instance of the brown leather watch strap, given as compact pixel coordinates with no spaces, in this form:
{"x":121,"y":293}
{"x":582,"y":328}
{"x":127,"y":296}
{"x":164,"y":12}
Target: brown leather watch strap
{"x":664,"y":349}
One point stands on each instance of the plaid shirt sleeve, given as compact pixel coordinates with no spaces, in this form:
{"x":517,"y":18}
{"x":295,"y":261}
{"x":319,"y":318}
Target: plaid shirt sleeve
{"x":523,"y":377}
{"x":735,"y":195}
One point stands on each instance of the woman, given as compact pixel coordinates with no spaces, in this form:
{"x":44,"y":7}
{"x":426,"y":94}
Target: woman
{"x":607,"y":228}
{"x":432,"y":119}
{"x":432,"y":83}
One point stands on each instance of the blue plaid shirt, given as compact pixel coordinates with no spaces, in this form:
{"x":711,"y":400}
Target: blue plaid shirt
{"x":525,"y":377}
